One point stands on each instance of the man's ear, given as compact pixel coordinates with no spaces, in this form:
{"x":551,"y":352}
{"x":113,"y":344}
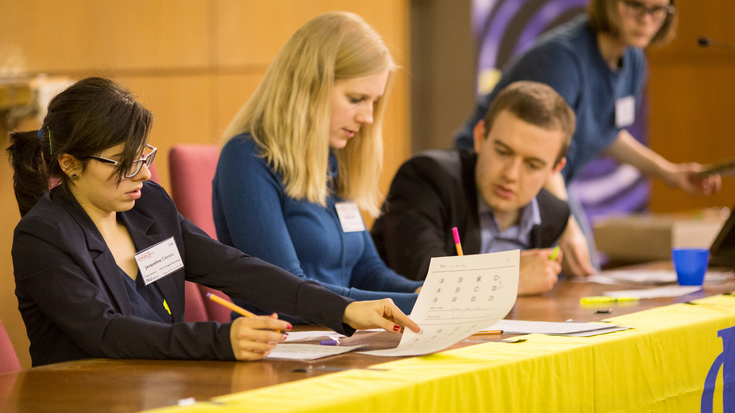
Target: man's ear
{"x":478,"y":134}
{"x":69,"y":164}
{"x":559,"y":166}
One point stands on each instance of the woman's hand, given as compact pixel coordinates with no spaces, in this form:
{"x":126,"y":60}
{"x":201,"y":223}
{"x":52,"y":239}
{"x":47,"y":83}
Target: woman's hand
{"x":686,"y":176}
{"x":377,"y":314}
{"x":254,"y":338}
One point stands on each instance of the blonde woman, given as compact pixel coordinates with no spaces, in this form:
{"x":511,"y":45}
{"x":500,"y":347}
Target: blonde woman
{"x":304,"y":153}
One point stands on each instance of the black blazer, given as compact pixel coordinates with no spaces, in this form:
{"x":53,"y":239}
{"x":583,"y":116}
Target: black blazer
{"x":430,"y":194}
{"x":74,"y":303}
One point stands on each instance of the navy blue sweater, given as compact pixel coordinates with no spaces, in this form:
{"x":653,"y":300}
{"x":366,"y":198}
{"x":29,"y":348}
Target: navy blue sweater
{"x":253,"y":213}
{"x":568,"y":60}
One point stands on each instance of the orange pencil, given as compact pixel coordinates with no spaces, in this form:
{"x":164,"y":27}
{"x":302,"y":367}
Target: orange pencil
{"x":488,"y":332}
{"x":236,"y":308}
{"x":456,"y":241}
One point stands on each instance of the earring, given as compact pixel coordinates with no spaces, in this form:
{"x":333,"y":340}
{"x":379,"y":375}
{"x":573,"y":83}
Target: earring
{"x":73,"y":176}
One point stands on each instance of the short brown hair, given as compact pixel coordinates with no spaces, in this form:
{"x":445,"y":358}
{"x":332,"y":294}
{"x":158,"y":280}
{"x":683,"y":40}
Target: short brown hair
{"x":538,"y":104}
{"x":604,"y":19}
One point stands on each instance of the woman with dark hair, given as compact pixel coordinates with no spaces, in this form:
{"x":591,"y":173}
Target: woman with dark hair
{"x":596,"y":62}
{"x":77,"y":251}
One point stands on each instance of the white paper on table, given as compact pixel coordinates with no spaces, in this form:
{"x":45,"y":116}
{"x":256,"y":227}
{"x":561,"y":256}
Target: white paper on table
{"x":545,"y":327}
{"x":672,"y":291}
{"x":651,"y":277}
{"x":461,"y":295}
{"x":307,"y":351}
{"x":304,"y":335}
{"x":594,"y":332}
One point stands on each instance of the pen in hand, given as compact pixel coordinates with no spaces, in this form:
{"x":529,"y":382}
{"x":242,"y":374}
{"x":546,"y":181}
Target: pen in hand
{"x":555,"y":253}
{"x":236,"y":308}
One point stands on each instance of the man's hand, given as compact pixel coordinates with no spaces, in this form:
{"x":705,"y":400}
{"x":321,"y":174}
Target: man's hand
{"x":539,"y":272}
{"x":576,"y":252}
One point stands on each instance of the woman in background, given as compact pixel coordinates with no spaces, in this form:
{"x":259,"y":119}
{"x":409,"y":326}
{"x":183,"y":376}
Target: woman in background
{"x":302,"y":155}
{"x":77,"y":250}
{"x":597,"y":63}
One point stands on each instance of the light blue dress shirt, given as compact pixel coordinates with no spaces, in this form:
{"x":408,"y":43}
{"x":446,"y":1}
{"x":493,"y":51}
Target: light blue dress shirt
{"x":515,"y":237}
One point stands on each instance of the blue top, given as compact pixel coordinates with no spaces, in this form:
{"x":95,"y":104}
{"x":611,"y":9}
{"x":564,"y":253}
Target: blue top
{"x":145,"y":300}
{"x":516,"y":237}
{"x":569,"y":60}
{"x":253,"y":213}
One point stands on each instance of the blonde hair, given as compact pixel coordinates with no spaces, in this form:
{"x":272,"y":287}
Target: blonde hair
{"x":289,"y":114}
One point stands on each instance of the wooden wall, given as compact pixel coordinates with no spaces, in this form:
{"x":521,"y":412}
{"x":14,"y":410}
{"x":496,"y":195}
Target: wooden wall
{"x":692,"y":93}
{"x":193,"y":63}
{"x":443,"y":67}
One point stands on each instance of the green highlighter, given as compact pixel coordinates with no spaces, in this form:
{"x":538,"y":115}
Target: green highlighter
{"x":602,"y":299}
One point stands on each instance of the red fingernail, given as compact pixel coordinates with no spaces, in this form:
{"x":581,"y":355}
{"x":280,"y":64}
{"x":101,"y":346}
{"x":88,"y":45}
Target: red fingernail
{"x":396,"y":328}
{"x":288,"y":327}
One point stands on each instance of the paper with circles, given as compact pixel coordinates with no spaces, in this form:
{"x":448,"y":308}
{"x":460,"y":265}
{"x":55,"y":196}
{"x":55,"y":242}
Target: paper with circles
{"x":461,"y":296}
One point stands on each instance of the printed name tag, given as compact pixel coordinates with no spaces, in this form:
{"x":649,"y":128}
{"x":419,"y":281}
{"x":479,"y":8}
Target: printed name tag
{"x":624,"y":112}
{"x":349,"y":217}
{"x":159,"y":260}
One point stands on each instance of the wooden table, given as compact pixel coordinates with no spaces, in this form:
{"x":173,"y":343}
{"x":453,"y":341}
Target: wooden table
{"x":99,"y":385}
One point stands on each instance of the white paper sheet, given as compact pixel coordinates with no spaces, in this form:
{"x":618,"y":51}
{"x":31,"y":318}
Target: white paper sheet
{"x":306,"y":335}
{"x":672,"y":291}
{"x":461,"y":295}
{"x":545,"y":327}
{"x":595,"y":332}
{"x":650,"y":277}
{"x":307,"y":351}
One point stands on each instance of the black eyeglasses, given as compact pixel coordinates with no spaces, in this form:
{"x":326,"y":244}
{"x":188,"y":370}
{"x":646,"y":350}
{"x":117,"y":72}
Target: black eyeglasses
{"x":136,"y":166}
{"x":638,"y":10}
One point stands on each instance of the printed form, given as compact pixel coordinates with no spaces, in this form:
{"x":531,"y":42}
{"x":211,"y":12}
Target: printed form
{"x":461,"y":296}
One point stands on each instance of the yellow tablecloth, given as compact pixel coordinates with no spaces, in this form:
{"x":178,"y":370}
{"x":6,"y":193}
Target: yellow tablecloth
{"x":659,"y":365}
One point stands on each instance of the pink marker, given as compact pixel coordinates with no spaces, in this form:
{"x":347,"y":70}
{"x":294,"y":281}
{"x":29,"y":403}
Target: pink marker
{"x":456,"y":241}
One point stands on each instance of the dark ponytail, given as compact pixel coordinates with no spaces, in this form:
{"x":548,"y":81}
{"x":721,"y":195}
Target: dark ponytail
{"x":90,"y":116}
{"x":31,"y":178}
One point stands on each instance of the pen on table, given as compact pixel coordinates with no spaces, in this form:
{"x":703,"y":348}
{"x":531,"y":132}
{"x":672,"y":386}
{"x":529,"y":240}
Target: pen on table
{"x":488,"y":332}
{"x":456,"y":241}
{"x":555,"y":253}
{"x":601,"y":299}
{"x":236,"y":308}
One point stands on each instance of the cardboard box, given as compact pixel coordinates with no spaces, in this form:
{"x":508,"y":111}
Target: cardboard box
{"x":642,"y":238}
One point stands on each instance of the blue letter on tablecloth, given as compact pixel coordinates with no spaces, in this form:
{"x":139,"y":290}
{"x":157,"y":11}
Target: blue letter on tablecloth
{"x":727,"y":360}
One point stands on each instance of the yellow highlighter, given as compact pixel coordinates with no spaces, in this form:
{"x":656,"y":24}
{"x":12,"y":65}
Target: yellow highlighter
{"x":602,"y":299}
{"x":555,"y":253}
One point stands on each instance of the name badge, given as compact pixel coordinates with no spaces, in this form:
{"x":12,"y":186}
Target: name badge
{"x":624,"y":112}
{"x":349,"y":217}
{"x":158,"y":261}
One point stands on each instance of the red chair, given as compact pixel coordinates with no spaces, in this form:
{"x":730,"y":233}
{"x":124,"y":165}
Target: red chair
{"x":8,"y":360}
{"x":192,"y":170}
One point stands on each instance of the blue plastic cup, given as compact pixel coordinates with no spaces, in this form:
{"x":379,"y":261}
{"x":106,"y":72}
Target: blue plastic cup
{"x":690,"y":265}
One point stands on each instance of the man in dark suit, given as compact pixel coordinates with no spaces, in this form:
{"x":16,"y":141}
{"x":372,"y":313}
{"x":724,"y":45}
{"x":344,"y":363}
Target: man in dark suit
{"x":494,"y":195}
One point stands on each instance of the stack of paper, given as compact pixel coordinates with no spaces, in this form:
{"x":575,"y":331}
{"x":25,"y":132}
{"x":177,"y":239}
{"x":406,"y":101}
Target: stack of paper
{"x":558,"y":329}
{"x":649,"y":277}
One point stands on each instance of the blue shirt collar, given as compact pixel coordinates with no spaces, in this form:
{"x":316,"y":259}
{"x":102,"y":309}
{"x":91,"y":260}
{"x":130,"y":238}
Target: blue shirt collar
{"x":530,"y":215}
